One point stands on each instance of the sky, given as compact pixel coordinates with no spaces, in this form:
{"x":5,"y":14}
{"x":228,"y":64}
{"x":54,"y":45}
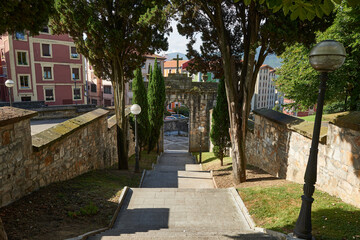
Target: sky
{"x":177,"y":43}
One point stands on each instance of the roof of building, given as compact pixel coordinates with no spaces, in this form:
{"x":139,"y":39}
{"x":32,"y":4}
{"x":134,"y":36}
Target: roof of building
{"x":266,"y":66}
{"x":154,"y":56}
{"x":173,"y":63}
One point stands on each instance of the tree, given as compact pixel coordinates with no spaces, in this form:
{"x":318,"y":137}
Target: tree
{"x":299,"y":81}
{"x":22,"y":15}
{"x":220,"y":123}
{"x":114,"y":36}
{"x":156,"y":98}
{"x":234,"y":30}
{"x":140,"y":97}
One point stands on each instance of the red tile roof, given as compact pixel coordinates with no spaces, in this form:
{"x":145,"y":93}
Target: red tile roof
{"x":154,"y":56}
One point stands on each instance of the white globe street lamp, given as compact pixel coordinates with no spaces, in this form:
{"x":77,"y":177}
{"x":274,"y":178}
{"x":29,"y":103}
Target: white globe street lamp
{"x":325,"y":57}
{"x":136,"y":110}
{"x":10,"y":84}
{"x":201,"y":130}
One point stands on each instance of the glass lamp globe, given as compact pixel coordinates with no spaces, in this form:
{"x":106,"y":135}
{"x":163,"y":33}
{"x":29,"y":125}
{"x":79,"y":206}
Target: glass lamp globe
{"x":135,"y":109}
{"x":9,"y":83}
{"x":201,"y":129}
{"x":327,"y":56}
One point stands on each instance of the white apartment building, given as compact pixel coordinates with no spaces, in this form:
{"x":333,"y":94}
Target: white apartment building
{"x":145,"y":70}
{"x":264,"y":95}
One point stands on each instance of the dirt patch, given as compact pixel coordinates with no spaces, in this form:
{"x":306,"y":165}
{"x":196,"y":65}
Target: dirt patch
{"x":223,"y":176}
{"x":67,"y":209}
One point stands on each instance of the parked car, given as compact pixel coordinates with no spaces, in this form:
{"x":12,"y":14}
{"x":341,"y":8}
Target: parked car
{"x":170,"y":118}
{"x":178,"y":116}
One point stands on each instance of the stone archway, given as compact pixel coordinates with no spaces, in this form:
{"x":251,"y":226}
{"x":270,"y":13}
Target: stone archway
{"x":200,"y":98}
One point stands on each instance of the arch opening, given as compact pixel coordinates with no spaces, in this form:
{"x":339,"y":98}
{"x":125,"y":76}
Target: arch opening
{"x":176,"y":127}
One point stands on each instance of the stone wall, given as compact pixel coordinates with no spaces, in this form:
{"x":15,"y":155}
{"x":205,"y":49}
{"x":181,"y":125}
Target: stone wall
{"x":280,"y":145}
{"x":180,"y":125}
{"x":59,"y":153}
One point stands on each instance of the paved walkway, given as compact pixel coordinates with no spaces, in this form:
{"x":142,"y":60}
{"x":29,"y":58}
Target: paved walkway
{"x":178,"y":201}
{"x":174,"y":142}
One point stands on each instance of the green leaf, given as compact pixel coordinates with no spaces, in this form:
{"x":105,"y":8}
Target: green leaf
{"x":302,"y":13}
{"x":310,"y":16}
{"x":286,"y":10}
{"x":261,"y":1}
{"x":295,"y":14}
{"x":277,"y":8}
{"x":337,"y":1}
{"x":319,"y":12}
{"x":247,"y":2}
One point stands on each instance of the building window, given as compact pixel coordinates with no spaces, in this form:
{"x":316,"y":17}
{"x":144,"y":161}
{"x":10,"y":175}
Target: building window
{"x":75,"y":73}
{"x":24,"y":81}
{"x":49,"y":94}
{"x":46,"y":50}
{"x":20,"y":36}
{"x":22,"y":59}
{"x":94,"y":101}
{"x":107,"y":89}
{"x":93,"y":87}
{"x":107,"y":102}
{"x":169,"y":106}
{"x":47,"y":71}
{"x":73,"y":53}
{"x":2,"y":54}
{"x":76,"y":93}
{"x":45,"y":29}
{"x":26,"y":99}
{"x":4,"y":71}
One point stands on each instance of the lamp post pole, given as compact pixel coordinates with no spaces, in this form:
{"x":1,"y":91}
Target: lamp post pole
{"x":136,"y":109}
{"x":325,"y":57}
{"x":10,"y":84}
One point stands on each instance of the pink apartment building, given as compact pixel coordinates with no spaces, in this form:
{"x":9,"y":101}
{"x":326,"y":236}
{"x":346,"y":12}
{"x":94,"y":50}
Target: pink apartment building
{"x":100,"y":92}
{"x":45,"y":67}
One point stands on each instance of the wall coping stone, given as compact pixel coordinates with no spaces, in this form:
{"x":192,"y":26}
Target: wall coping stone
{"x":301,"y":126}
{"x":347,"y":120}
{"x":61,"y":130}
{"x":11,"y":115}
{"x":111,"y":121}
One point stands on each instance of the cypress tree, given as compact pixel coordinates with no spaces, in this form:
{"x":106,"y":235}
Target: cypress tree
{"x":220,"y":123}
{"x":140,"y":97}
{"x":156,"y":100}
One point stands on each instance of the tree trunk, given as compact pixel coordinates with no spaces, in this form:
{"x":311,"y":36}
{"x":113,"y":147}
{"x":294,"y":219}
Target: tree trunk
{"x":119,"y":93}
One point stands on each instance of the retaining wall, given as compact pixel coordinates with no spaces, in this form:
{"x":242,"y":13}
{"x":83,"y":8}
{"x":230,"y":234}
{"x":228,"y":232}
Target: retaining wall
{"x":280,"y":145}
{"x":59,"y":153}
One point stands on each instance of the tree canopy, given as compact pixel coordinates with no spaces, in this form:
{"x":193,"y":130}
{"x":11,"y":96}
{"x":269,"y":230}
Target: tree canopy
{"x":156,"y":100}
{"x":220,"y":123}
{"x":233,"y":31}
{"x":299,"y":81}
{"x":114,"y":36}
{"x":22,"y":15}
{"x":140,"y":98}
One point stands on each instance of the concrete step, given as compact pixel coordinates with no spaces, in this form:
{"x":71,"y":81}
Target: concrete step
{"x":181,"y":233}
{"x":160,"y":178}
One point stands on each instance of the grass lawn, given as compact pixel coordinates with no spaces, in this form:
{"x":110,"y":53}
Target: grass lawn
{"x":277,"y":208}
{"x":275,"y":204}
{"x":70,"y":208}
{"x":310,"y":118}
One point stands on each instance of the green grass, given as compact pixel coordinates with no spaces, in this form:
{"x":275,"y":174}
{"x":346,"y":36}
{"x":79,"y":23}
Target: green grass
{"x":277,"y":208}
{"x":209,"y":158}
{"x":146,"y":160}
{"x":310,"y":118}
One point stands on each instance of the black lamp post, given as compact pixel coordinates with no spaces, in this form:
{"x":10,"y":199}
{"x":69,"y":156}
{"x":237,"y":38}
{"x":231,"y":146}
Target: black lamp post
{"x":201,"y":129}
{"x":325,"y":57}
{"x":10,"y":84}
{"x":136,"y":110}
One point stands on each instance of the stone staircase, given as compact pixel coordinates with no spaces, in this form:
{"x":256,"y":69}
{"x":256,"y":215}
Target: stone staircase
{"x":178,"y":201}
